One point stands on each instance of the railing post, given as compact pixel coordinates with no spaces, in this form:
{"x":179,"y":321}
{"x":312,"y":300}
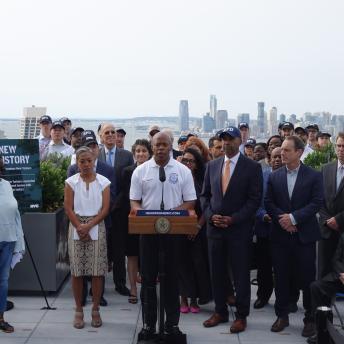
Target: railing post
{"x":322,"y":315}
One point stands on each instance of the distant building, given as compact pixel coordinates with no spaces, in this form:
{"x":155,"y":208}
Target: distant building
{"x":244,"y":117}
{"x":273,"y":124}
{"x":292,"y":118}
{"x":230,"y":122}
{"x":208,"y":123}
{"x":213,"y":106}
{"x":183,"y":115}
{"x":282,"y":118}
{"x":29,"y":123}
{"x":2,"y":134}
{"x":221,"y":119}
{"x":261,"y":119}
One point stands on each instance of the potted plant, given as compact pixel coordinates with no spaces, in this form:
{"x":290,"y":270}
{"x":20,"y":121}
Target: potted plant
{"x":320,"y":157}
{"x":46,"y":233}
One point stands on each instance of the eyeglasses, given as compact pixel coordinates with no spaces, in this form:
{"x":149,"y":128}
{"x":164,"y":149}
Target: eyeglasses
{"x":109,"y":132}
{"x":188,"y":161}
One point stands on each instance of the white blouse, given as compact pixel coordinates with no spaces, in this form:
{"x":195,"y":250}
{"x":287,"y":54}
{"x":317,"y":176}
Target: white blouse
{"x":88,"y":202}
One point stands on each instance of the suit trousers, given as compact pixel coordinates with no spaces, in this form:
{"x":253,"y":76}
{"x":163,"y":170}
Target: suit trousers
{"x":323,"y":291}
{"x":293,"y":259}
{"x":326,"y":250}
{"x":239,"y":252}
{"x":118,"y":236}
{"x":264,"y":268}
{"x":149,"y":254}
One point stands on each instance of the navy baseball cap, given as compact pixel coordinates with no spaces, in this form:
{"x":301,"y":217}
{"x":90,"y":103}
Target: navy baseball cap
{"x":250,"y":142}
{"x":121,"y":130}
{"x":76,"y":129}
{"x":65,"y":119}
{"x":57,"y":124}
{"x":243,"y":125}
{"x":88,"y":137}
{"x":300,"y":129}
{"x":322,"y":134}
{"x":182,"y":138}
{"x":231,"y":131}
{"x":287,"y":125}
{"x":45,"y":119}
{"x":313,"y":126}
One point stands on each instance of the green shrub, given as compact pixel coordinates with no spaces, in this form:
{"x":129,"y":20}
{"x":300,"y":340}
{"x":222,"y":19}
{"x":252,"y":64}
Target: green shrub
{"x":53,"y":173}
{"x":320,"y":157}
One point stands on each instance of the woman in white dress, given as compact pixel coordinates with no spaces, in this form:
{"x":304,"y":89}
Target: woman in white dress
{"x":86,"y":202}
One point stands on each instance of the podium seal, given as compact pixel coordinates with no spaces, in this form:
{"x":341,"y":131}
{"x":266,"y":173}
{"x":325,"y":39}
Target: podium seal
{"x":162,"y":225}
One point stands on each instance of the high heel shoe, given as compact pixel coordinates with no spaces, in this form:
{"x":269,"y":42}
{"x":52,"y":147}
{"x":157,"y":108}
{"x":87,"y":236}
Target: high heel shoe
{"x":96,"y":319}
{"x":78,"y":321}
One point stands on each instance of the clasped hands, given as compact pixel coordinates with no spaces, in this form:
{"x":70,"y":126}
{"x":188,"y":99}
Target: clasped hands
{"x":83,"y":231}
{"x":332,"y":223}
{"x":286,"y":224}
{"x":221,"y":221}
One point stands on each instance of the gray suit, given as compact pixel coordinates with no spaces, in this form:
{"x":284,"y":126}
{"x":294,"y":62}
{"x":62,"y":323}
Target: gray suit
{"x":333,"y":206}
{"x":118,"y":235}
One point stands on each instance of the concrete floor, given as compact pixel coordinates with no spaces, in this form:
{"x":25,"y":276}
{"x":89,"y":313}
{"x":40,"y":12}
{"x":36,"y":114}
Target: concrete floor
{"x":122,"y":321}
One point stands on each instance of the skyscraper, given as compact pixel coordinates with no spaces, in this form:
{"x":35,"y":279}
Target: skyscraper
{"x":273,"y":125}
{"x":208,"y":123}
{"x":183,"y":115}
{"x":221,"y":119}
{"x":261,"y":119}
{"x":29,"y":123}
{"x":244,"y":117}
{"x":213,"y":106}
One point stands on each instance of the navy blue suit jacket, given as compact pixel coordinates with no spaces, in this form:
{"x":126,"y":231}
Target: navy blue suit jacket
{"x":240,"y":201}
{"x":106,"y":171}
{"x":305,"y":202}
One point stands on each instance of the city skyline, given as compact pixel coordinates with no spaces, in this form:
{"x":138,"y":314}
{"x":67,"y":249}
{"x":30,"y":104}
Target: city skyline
{"x":130,"y":58}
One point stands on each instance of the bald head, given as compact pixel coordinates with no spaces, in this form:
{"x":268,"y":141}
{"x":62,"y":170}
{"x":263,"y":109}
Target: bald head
{"x":276,"y":159}
{"x":108,"y":135}
{"x":162,"y":146}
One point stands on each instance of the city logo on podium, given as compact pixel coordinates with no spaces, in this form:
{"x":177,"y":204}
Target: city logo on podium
{"x":162,"y":225}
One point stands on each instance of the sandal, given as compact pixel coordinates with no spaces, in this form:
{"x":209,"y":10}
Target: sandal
{"x":79,"y":320}
{"x":96,"y":319}
{"x":132,"y":299}
{"x":6,"y":327}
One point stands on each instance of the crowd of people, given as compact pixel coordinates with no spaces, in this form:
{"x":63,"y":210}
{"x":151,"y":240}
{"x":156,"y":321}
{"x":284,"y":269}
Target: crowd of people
{"x":240,"y":189}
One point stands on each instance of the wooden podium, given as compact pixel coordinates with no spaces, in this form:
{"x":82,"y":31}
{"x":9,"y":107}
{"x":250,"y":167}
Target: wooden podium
{"x":162,"y":223}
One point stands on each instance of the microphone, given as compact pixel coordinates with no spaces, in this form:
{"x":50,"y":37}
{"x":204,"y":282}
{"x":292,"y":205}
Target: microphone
{"x":162,"y":178}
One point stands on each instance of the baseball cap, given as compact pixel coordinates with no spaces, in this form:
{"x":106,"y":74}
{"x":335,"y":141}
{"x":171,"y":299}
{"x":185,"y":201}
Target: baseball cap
{"x":231,"y":131}
{"x":250,"y":142}
{"x":87,"y":137}
{"x":57,"y":124}
{"x":300,"y":129}
{"x":45,"y":118}
{"x":121,"y":130}
{"x":182,"y":138}
{"x":243,"y":125}
{"x":76,"y":129}
{"x":321,"y":134}
{"x":313,"y":126}
{"x":287,"y":125}
{"x":65,"y":119}
{"x":154,"y":127}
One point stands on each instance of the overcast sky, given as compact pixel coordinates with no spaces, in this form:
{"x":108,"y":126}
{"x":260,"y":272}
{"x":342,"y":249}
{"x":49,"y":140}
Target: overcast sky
{"x":127,"y":58}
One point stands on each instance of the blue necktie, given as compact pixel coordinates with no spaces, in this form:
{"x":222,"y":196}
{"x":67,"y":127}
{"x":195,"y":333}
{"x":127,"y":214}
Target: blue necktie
{"x":109,"y":160}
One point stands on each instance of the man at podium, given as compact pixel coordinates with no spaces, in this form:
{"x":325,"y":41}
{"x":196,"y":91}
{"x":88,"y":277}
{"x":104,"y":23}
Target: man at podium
{"x":161,"y":183}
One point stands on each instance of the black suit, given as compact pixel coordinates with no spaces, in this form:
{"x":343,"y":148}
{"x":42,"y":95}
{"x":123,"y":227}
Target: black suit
{"x":240,"y":201}
{"x":293,"y":255}
{"x":333,"y":207}
{"x":118,"y":235}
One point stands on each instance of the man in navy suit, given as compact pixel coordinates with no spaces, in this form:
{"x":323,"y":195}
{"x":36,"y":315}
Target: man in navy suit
{"x":294,"y":196}
{"x":89,"y":139}
{"x":231,"y":195}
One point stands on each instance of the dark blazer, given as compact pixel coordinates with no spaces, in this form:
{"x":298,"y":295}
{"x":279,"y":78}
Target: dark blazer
{"x":123,"y":158}
{"x":123,"y":197}
{"x":337,"y":262}
{"x":176,"y":153}
{"x":306,"y":201}
{"x":240,"y":201}
{"x":333,"y":199}
{"x":106,"y":171}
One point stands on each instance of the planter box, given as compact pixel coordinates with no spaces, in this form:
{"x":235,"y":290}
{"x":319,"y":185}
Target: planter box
{"x":46,"y":235}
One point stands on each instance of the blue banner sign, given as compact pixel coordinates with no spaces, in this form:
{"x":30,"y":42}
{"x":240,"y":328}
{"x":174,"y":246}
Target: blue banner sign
{"x":162,"y":213}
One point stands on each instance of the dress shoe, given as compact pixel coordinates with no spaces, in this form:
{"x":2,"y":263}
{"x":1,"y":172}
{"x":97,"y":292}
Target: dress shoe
{"x":308,"y":329}
{"x":103,"y":302}
{"x":173,"y":331}
{"x":239,"y":325}
{"x":280,"y":324}
{"x":293,"y":308}
{"x":147,"y":333}
{"x":231,"y":300}
{"x":203,"y":301}
{"x":122,"y":290}
{"x":259,"y":303}
{"x":215,"y":319}
{"x":312,"y":340}
{"x":9,"y":305}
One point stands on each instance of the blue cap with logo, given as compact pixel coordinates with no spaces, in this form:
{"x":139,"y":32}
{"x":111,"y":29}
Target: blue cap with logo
{"x":57,"y":124}
{"x":230,"y":131}
{"x":243,"y":125}
{"x":251,"y":142}
{"x":87,"y":137}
